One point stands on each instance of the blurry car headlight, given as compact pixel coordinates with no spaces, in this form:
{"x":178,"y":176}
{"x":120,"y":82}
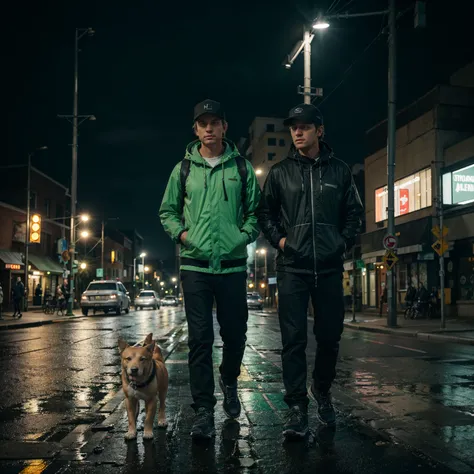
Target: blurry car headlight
{"x":113,"y":297}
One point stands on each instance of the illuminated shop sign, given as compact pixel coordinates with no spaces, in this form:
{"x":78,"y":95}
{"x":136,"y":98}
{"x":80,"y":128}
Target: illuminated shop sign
{"x":458,"y":186}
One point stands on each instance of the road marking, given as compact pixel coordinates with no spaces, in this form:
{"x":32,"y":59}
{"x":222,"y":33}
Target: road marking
{"x":410,"y":349}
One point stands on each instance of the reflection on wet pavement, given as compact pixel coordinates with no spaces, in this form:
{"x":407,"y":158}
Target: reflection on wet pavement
{"x":381,"y":386}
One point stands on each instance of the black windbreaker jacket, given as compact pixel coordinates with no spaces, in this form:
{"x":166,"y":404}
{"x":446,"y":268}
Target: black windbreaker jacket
{"x":316,"y":206}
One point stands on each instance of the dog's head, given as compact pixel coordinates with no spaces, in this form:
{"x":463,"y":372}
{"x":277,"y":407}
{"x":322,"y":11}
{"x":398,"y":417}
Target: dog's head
{"x":136,"y":360}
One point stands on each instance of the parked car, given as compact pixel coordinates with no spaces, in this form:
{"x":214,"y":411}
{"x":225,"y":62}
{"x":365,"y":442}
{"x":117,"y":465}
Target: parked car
{"x":169,"y":301}
{"x":254,"y":301}
{"x":147,"y":299}
{"x":106,"y":295}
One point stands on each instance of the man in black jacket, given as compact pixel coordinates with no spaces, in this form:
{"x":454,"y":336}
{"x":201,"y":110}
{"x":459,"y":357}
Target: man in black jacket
{"x":311,"y":212}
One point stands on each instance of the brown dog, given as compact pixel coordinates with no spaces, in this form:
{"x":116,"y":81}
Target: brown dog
{"x":144,"y":377}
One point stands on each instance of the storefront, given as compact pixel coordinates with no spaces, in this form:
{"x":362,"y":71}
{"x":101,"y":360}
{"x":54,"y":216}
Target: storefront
{"x":417,"y":264}
{"x":45,"y":272}
{"x":11,"y":267}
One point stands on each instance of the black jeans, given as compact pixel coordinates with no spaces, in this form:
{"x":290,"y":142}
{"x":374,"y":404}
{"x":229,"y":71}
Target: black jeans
{"x":230,"y":293}
{"x":294,"y":291}
{"x":17,"y":305}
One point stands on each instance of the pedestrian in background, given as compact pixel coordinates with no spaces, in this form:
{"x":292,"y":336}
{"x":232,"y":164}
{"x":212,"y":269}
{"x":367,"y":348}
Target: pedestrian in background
{"x":18,"y":295}
{"x":209,"y":209}
{"x":311,"y":212}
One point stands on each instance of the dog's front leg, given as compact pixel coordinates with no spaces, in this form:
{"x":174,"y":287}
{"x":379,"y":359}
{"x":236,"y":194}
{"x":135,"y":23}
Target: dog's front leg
{"x":132,"y":406}
{"x":150,"y":408}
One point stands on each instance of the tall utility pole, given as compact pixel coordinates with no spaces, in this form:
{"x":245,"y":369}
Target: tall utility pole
{"x":74,"y":119}
{"x":72,"y":245}
{"x":307,"y":38}
{"x":391,"y":151}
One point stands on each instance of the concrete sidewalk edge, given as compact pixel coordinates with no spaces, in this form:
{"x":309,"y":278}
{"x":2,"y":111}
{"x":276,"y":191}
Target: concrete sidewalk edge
{"x":32,"y":324}
{"x":418,"y":334}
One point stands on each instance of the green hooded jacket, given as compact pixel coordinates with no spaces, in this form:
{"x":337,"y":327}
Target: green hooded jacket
{"x":213,"y":215}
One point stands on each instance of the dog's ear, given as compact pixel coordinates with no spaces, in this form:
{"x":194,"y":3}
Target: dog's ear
{"x":122,"y":345}
{"x":150,"y":347}
{"x":148,"y":339}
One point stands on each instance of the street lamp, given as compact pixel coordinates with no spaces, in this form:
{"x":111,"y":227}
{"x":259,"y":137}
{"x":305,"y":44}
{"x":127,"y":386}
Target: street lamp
{"x":147,"y":269}
{"x":74,"y":119}
{"x":28,"y":210}
{"x":83,"y":266}
{"x":258,"y":171}
{"x":84,"y":218}
{"x":320,"y":24}
{"x":85,"y":234}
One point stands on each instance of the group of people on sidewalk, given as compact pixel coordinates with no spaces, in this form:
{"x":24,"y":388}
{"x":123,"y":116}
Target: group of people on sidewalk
{"x":309,"y":210}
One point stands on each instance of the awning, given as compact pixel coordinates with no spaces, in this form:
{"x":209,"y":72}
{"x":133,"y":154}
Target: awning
{"x":45,"y":264}
{"x":11,"y":258}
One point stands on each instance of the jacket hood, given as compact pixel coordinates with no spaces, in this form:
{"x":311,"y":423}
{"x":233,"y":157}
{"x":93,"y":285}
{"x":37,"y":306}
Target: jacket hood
{"x":325,"y":153}
{"x":192,"y":151}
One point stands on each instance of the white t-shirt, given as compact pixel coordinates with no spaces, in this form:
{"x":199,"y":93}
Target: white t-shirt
{"x":213,"y":161}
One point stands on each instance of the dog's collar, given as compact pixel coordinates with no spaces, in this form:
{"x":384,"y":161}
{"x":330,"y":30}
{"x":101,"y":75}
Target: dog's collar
{"x":135,"y":385}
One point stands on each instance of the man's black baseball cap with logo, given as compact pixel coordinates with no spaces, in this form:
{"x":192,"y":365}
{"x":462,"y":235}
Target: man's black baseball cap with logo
{"x":208,"y":106}
{"x":305,"y":113}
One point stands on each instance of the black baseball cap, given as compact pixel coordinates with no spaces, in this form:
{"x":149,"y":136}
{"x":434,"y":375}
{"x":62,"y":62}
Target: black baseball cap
{"x":208,"y":106}
{"x":306,"y":113}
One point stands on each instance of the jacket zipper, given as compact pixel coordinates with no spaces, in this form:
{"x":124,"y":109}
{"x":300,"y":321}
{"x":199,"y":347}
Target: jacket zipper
{"x":314,"y":226}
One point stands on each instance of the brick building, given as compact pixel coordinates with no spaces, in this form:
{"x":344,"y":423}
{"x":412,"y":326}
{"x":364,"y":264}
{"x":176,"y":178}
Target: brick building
{"x":47,"y":198}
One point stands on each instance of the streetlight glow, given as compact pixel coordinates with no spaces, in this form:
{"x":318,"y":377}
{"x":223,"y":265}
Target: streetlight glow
{"x":85,"y":234}
{"x":84,"y":217}
{"x":258,"y":171}
{"x":147,"y":269}
{"x":143,"y":254}
{"x":162,"y":283}
{"x":174,"y":279}
{"x":83,"y":266}
{"x":320,"y":24}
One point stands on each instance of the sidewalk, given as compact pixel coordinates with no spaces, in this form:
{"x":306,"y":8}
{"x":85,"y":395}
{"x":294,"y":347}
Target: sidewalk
{"x":32,"y":319}
{"x":459,"y":331}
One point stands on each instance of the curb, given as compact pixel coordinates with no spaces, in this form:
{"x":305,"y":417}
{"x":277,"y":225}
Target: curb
{"x":33,"y":324}
{"x":425,"y":336}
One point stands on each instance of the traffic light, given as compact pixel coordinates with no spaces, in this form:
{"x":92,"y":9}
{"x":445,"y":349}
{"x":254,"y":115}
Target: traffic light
{"x":35,"y":229}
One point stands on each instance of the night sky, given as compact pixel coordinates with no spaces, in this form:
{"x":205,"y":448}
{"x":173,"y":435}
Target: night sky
{"x":150,"y":62}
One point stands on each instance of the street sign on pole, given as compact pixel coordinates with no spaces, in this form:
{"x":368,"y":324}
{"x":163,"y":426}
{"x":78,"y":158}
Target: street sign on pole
{"x":390,"y":242}
{"x":99,"y":272}
{"x":437,"y":232}
{"x":440,"y":247}
{"x":390,"y":259}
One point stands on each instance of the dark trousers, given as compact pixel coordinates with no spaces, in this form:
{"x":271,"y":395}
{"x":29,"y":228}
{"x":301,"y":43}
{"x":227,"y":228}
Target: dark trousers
{"x":294,"y":292}
{"x":230,"y":294}
{"x":17,"y":305}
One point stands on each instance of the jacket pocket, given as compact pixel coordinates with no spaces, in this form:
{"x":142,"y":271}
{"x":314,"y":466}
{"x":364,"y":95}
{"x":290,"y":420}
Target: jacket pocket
{"x":297,"y":251}
{"x":233,"y":243}
{"x":330,"y":245}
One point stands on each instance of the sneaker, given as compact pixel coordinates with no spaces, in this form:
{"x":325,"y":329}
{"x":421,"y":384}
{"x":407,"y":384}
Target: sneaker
{"x":326,"y":412}
{"x":231,"y":403}
{"x":19,"y":316}
{"x":203,"y":424}
{"x":296,"y":423}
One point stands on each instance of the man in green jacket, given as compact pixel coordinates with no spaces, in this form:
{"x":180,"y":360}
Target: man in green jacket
{"x":209,"y":208}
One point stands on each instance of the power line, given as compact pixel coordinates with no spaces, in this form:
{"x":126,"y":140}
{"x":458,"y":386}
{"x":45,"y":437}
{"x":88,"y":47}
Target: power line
{"x":333,"y":5}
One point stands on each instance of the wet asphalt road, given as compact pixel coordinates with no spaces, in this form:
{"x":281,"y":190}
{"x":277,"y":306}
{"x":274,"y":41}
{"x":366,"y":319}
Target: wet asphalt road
{"x":401,"y":401}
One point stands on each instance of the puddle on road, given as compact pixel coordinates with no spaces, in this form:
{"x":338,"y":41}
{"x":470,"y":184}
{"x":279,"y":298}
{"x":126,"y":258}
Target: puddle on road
{"x":63,"y":402}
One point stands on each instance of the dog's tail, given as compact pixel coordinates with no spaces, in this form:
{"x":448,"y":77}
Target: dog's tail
{"x":158,"y":355}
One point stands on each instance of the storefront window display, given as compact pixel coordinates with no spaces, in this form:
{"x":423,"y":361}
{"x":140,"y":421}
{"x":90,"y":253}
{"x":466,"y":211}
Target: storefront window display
{"x":412,"y":193}
{"x":466,"y":278}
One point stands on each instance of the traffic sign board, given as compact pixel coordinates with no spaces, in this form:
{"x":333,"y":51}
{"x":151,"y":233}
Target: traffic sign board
{"x":99,"y":272}
{"x":437,"y":232}
{"x":390,"y":258}
{"x":390,"y":242}
{"x":440,"y":247}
